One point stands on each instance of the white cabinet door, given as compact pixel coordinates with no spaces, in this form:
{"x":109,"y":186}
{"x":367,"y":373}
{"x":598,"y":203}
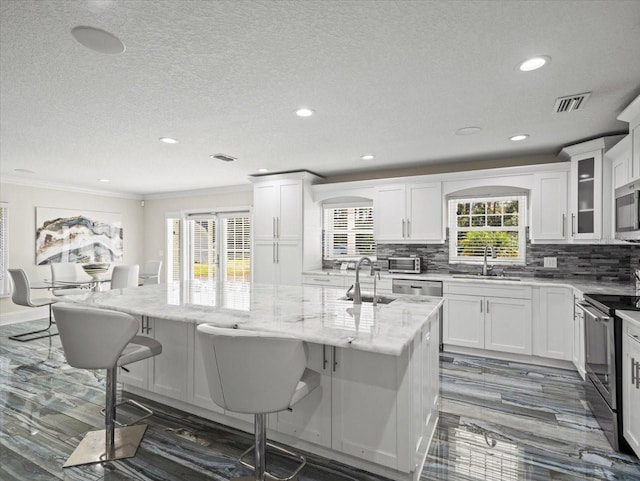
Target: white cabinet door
{"x":631,"y":386}
{"x":264,"y":262}
{"x":364,"y":385}
{"x":172,"y":371}
{"x":424,"y":212}
{"x":389,"y":208}
{"x":620,"y":170}
{"x":586,"y":197}
{"x":289,"y":219}
{"x":310,"y":419}
{"x":579,"y":343}
{"x":464,"y":321}
{"x":265,"y":210}
{"x":507,"y":325}
{"x":553,"y":324}
{"x":289,"y":263}
{"x":549,"y":209}
{"x":635,"y":151}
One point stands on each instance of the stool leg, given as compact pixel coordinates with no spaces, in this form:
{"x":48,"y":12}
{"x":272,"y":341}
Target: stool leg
{"x":29,"y":336}
{"x":260,"y":434}
{"x":110,"y":413}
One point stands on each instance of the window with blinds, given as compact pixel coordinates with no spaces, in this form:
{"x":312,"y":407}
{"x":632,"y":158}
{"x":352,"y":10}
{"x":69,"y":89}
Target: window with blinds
{"x":5,"y":286}
{"x":348,"y":232}
{"x":237,"y":249}
{"x":173,"y":250}
{"x":497,"y":221}
{"x":203,"y":249}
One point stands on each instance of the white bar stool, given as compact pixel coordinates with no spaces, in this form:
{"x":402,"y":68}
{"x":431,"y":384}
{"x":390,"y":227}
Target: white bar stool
{"x":101,"y":339}
{"x":21,"y":296}
{"x":256,"y":373}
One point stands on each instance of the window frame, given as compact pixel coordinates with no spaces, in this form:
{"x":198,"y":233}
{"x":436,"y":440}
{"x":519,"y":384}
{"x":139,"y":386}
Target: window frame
{"x":5,"y":283}
{"x":326,"y":233}
{"x":521,"y":229}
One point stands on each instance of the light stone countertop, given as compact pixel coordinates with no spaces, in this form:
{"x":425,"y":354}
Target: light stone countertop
{"x":312,"y":313}
{"x":585,"y":286}
{"x":631,"y":316}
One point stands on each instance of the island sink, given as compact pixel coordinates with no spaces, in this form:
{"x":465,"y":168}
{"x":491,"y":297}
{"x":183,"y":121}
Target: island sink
{"x":369,"y":298}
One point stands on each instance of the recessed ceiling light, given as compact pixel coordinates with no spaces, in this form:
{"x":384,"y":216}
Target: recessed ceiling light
{"x":103,"y":180}
{"x":263,"y":170}
{"x":368,"y":157}
{"x":304,"y":112}
{"x":468,"y":130}
{"x":534,"y":63}
{"x":24,"y":171}
{"x":97,"y":39}
{"x":515,"y":138}
{"x":168,"y":140}
{"x":223,"y":157}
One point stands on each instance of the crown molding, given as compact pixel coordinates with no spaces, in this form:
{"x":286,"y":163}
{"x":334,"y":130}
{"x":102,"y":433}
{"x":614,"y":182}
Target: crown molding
{"x":67,"y":188}
{"x":208,"y":191}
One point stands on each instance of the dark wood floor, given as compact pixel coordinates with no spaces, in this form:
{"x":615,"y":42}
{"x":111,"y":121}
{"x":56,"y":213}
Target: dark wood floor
{"x":498,"y":421}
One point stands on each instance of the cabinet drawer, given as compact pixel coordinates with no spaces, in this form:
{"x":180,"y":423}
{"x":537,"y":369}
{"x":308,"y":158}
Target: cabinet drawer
{"x":483,"y":289}
{"x":333,"y":281}
{"x":631,"y":330}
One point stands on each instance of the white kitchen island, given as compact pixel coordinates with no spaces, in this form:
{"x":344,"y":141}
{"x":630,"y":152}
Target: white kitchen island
{"x":377,"y":406}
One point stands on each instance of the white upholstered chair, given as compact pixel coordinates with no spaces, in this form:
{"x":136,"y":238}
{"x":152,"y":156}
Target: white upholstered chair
{"x":151,"y":272}
{"x":21,"y":295}
{"x":68,"y":271}
{"x":124,"y":276}
{"x":102,"y":339}
{"x":256,"y":373}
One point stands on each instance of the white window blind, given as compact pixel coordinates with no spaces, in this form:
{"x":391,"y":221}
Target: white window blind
{"x":348,"y":232}
{"x":203,"y":249}
{"x":238,"y":249}
{"x":488,"y":221}
{"x":5,"y":286}
{"x":173,"y":250}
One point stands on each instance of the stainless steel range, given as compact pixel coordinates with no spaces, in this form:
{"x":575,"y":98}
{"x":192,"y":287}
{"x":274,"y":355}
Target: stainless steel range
{"x":603,"y":349}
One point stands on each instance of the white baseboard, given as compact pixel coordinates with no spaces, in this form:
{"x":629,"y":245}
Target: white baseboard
{"x":24,"y":315}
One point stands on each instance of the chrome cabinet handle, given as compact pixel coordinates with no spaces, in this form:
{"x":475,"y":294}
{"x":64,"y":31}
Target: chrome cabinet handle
{"x":480,"y":305}
{"x":335,"y":359}
{"x":403,"y":228}
{"x":564,"y":222}
{"x":408,"y":228}
{"x":573,"y":225}
{"x":277,"y":253}
{"x":635,"y":373}
{"x":324,"y":357}
{"x":273,"y":253}
{"x":487,"y":306}
{"x":278,"y":227}
{"x":273,"y":227}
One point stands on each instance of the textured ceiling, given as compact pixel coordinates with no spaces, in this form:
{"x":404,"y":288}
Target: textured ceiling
{"x":394,"y":78}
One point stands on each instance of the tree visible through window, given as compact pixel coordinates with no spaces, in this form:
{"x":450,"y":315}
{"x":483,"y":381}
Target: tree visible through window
{"x":496,"y":222}
{"x":348,"y":232}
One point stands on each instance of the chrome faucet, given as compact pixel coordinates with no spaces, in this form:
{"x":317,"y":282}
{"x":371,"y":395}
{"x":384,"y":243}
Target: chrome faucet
{"x":357,"y":295}
{"x":485,"y":268}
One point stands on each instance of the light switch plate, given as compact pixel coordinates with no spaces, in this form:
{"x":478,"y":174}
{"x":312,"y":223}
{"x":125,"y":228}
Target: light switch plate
{"x":551,"y":262}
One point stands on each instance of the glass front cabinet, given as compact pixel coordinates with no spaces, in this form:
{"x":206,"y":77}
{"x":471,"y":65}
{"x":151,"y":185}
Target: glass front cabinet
{"x":591,"y":193}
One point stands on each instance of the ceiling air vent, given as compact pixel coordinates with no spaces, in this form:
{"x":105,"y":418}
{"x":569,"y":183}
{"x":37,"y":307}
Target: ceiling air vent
{"x":223,"y":157}
{"x":570,"y":103}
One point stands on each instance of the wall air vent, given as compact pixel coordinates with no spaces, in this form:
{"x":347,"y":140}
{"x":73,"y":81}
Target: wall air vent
{"x":570,"y":103}
{"x":223,"y":157}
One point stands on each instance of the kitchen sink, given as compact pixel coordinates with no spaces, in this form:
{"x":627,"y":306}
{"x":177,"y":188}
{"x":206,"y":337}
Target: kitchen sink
{"x":369,"y":298}
{"x":488,"y":278}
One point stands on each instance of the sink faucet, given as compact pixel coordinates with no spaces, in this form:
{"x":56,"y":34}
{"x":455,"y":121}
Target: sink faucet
{"x":485,"y":268}
{"x":357,"y":295}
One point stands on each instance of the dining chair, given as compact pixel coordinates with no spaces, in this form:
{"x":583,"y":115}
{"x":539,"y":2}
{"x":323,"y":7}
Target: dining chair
{"x":124,"y":276}
{"x":151,"y":272}
{"x":68,"y":271}
{"x":21,"y":296}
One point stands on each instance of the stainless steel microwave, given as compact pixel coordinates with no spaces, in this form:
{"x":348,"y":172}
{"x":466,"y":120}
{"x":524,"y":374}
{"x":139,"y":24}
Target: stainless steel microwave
{"x":405,"y":265}
{"x":628,"y":211}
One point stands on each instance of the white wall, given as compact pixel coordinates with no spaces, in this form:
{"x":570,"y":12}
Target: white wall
{"x":23,"y":201}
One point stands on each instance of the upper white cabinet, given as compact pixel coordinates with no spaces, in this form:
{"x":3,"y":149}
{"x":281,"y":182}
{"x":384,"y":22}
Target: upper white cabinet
{"x":549,"y":206}
{"x":632,"y":115}
{"x":408,"y":213}
{"x":620,"y":158}
{"x":287,"y":228}
{"x":590,"y":195}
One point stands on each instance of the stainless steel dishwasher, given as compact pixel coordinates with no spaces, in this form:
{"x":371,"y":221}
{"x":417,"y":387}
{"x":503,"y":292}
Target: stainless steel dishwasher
{"x":420,"y":288}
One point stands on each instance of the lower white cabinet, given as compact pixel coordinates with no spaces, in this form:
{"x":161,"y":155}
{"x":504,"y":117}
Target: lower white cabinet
{"x":553,"y":313}
{"x":277,"y":262}
{"x":496,"y":318}
{"x":165,"y":373}
{"x":631,"y":384}
{"x":579,"y":356}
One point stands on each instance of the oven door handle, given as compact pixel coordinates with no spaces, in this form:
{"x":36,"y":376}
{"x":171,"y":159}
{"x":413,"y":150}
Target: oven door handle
{"x":593,"y":313}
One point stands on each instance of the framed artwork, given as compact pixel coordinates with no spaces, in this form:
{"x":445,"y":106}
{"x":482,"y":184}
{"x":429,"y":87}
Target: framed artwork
{"x":70,"y":235}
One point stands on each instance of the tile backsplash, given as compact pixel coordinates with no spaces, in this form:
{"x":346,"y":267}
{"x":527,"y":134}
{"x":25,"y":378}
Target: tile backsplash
{"x":610,"y":262}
